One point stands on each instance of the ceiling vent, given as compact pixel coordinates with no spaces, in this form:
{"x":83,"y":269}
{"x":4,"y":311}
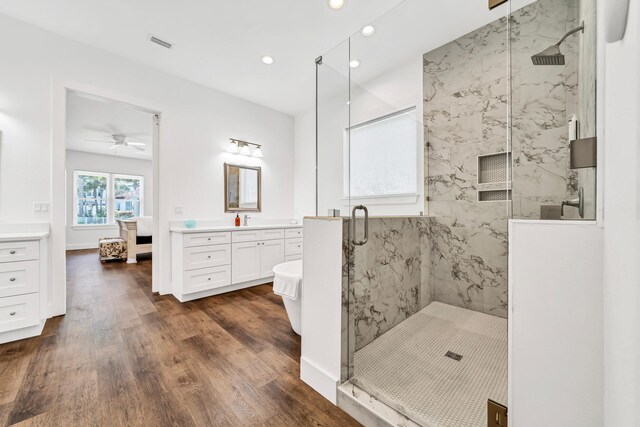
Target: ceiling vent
{"x":160,"y":42}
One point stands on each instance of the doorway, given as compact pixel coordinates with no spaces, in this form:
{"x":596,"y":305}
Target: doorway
{"x":111,"y":188}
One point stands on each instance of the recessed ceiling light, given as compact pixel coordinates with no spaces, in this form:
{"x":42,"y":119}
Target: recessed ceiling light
{"x":354,"y":63}
{"x":368,"y":30}
{"x":336,"y":4}
{"x":268,"y":60}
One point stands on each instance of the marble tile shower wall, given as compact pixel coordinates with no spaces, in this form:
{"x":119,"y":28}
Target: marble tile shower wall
{"x":466,"y":101}
{"x":543,"y":98}
{"x":389,"y":276}
{"x":466,"y":107}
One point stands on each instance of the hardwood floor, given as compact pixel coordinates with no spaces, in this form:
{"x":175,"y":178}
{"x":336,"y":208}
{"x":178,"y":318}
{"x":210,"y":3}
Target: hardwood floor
{"x":124,"y":356}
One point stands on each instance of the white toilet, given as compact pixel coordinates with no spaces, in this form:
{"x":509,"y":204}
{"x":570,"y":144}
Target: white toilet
{"x":288,"y":284}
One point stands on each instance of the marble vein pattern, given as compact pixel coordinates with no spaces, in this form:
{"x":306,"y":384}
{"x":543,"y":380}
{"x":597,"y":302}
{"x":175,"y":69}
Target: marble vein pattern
{"x":388,"y":276}
{"x":466,"y":110}
{"x":543,"y":100}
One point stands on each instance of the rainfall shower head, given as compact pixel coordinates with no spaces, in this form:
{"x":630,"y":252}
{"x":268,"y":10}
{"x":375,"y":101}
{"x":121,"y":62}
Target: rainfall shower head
{"x":552,"y":54}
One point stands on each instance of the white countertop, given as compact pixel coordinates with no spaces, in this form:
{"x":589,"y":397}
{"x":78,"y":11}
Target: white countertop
{"x":207,"y":229}
{"x":33,"y":235}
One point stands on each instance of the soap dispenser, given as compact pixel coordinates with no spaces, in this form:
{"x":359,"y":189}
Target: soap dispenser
{"x":237,"y":220}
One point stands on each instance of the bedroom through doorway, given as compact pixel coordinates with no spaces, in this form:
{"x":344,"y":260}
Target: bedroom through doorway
{"x":109,"y":185}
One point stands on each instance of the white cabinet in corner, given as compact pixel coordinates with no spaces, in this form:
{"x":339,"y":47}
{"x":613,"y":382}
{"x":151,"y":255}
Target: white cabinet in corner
{"x":210,"y":262}
{"x":23,"y":285}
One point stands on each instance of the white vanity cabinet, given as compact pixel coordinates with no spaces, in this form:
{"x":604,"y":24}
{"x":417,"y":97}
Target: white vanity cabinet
{"x":208,"y":262}
{"x":23,"y":279}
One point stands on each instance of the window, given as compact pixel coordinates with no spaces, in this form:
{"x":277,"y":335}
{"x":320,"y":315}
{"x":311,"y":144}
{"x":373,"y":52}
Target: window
{"x":128,"y":191}
{"x":382,"y":157}
{"x":101,"y":198}
{"x":90,"y":204}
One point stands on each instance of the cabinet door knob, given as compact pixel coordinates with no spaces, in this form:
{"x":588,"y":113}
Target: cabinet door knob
{"x":209,"y":256}
{"x":12,"y":279}
{"x":209,"y":238}
{"x":12,"y":252}
{"x":13,"y":313}
{"x":209,"y":278}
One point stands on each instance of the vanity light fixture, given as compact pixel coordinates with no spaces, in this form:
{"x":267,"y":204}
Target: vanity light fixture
{"x":336,"y":4}
{"x":368,"y":30}
{"x":245,"y":148}
{"x":267,"y":60}
{"x":354,"y":63}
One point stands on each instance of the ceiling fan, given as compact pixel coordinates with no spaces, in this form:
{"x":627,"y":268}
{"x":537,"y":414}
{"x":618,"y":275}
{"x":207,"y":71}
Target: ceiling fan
{"x":122,"y":141}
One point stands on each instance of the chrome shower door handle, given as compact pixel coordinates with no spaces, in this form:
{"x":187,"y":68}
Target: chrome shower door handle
{"x":366,"y":225}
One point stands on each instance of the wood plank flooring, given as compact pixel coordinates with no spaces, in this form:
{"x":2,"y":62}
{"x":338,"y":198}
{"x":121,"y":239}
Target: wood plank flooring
{"x":124,"y":356}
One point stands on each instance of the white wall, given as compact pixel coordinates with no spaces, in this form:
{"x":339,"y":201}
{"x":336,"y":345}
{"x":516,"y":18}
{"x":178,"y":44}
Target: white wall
{"x":87,"y":237}
{"x":321,"y":352}
{"x":196,"y":123}
{"x":392,"y":91}
{"x":622,"y":227}
{"x":555,"y":324}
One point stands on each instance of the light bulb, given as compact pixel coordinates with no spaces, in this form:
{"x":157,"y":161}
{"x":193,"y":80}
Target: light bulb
{"x":245,"y":150}
{"x":233,"y":147}
{"x":368,"y":30}
{"x":257,"y":152}
{"x":336,"y":4}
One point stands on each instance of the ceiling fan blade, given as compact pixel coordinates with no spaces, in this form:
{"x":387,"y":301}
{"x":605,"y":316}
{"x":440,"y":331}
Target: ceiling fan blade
{"x":139,"y":148}
{"x":141,"y":144}
{"x":99,"y":140}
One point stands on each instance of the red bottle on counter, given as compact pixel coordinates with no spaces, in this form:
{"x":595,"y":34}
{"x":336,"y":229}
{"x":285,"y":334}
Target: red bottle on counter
{"x":237,"y":220}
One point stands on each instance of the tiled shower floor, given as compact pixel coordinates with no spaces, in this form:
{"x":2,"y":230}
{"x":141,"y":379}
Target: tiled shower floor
{"x":407,"y":369}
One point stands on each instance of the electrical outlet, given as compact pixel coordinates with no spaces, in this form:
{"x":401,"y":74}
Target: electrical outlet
{"x":179,"y":210}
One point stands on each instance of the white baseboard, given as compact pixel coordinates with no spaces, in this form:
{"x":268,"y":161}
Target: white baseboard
{"x":80,"y":246}
{"x":319,"y":380}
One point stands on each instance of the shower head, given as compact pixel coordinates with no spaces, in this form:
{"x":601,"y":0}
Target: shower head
{"x":549,"y":56}
{"x":552,"y":54}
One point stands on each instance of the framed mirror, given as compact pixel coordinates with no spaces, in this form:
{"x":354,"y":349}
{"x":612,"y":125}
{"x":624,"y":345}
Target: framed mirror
{"x":242,"y":188}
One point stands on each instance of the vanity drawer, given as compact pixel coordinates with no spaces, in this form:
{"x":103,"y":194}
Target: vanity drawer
{"x":18,"y":251}
{"x":292,"y":247}
{"x":206,"y":256}
{"x":17,"y":278}
{"x":245,"y":236}
{"x":206,"y":279}
{"x":274,"y":234}
{"x":292,"y":233}
{"x":295,"y":257}
{"x":205,"y":239}
{"x":19,"y":312}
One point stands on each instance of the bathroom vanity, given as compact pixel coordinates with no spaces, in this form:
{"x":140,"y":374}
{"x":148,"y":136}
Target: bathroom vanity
{"x":213,"y":260}
{"x":23,"y":284}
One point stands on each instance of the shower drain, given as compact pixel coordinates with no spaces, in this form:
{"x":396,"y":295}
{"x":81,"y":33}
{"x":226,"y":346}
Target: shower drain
{"x":455,"y":356}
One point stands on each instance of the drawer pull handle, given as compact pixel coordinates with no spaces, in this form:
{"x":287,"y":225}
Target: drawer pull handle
{"x":12,"y":279}
{"x":13,"y":313}
{"x":209,"y":278}
{"x":209,"y":238}
{"x":209,"y":257}
{"x":12,"y":252}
